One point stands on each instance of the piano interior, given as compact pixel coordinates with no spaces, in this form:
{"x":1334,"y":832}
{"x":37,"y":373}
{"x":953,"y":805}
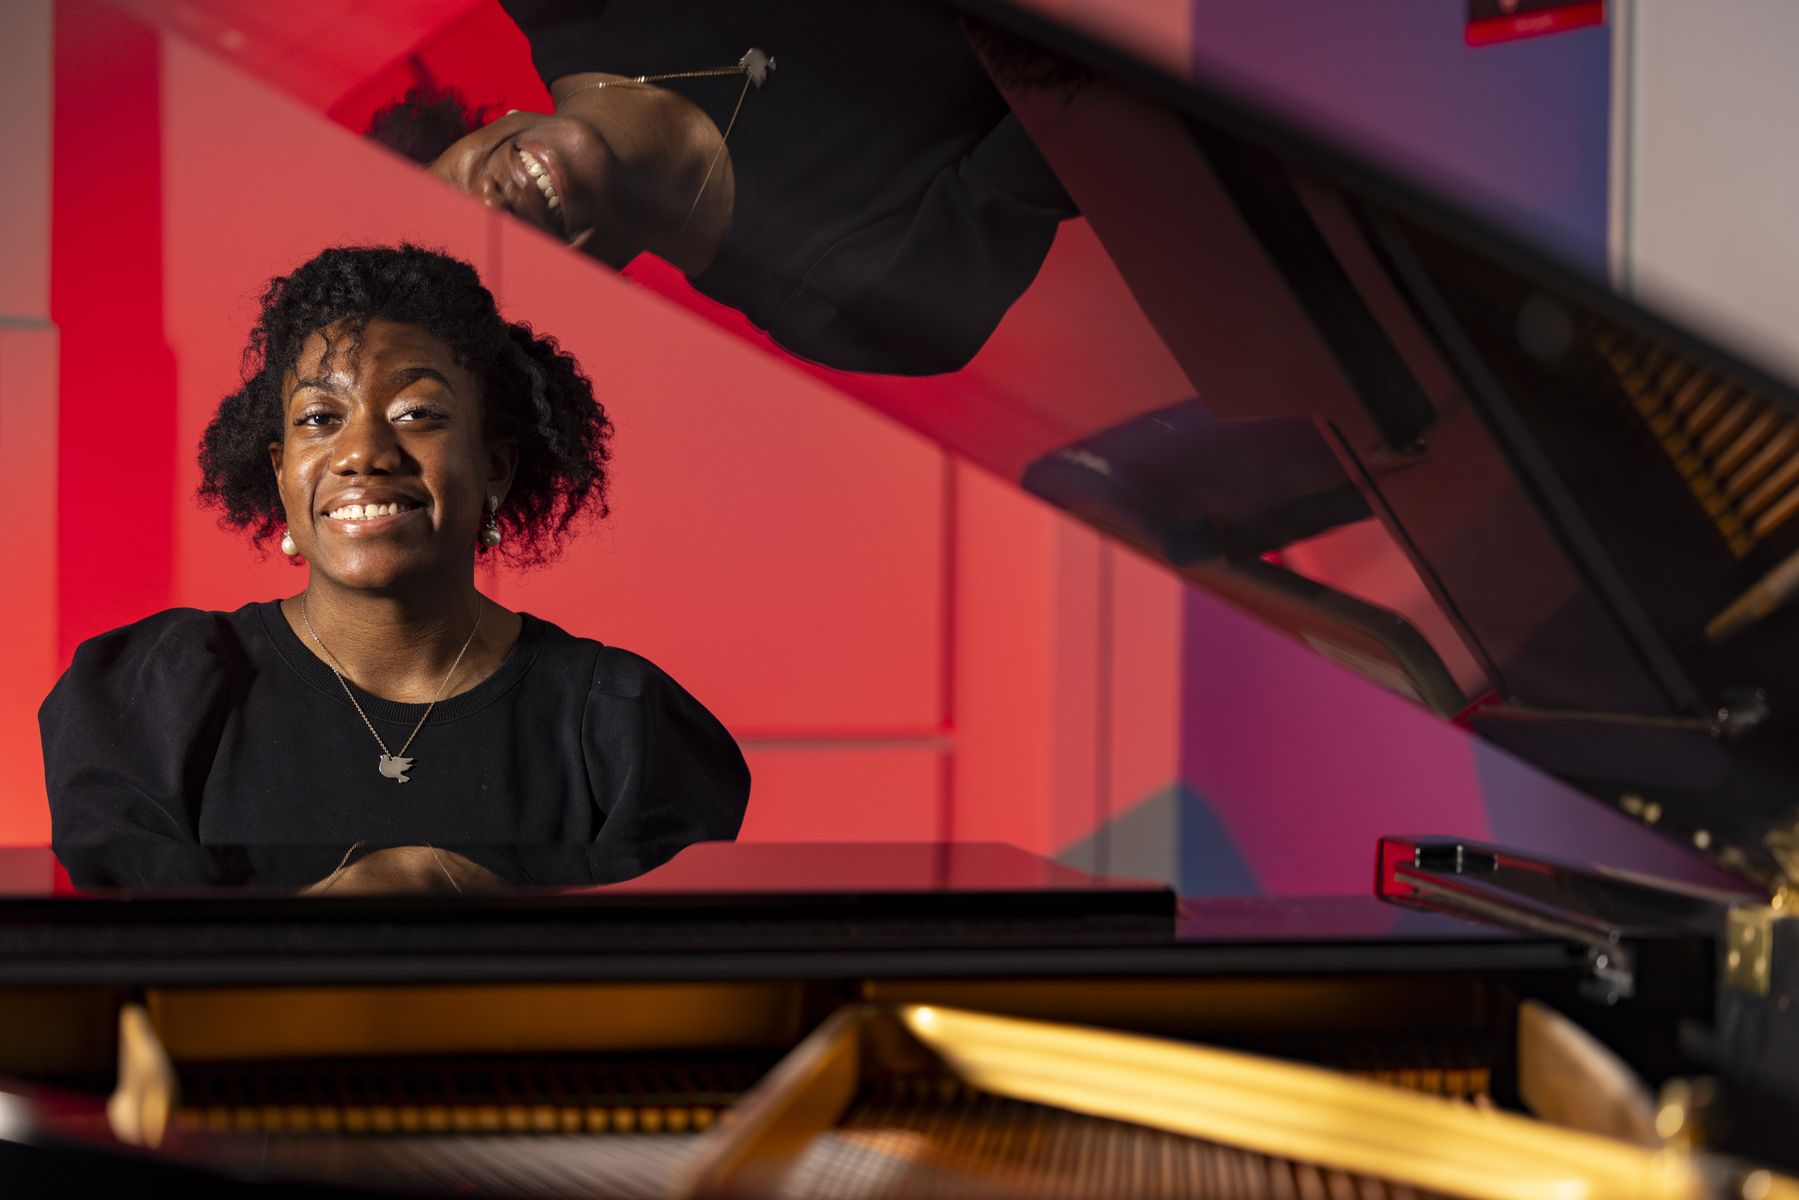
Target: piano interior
{"x":1269,"y":1082}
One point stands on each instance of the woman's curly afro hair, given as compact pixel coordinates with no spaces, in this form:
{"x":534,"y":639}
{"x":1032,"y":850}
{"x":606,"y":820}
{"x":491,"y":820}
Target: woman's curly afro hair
{"x":531,"y":390}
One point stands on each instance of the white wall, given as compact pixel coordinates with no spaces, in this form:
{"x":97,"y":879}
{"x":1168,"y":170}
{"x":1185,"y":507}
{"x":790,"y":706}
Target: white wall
{"x":1707,"y":218}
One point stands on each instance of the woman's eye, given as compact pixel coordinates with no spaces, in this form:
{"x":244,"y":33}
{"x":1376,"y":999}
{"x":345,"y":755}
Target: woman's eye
{"x":420,"y":414}
{"x":314,"y":418}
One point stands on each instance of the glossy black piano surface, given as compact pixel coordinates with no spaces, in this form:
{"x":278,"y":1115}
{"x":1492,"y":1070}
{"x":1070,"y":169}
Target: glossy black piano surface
{"x":582,"y":1040}
{"x":717,"y":909}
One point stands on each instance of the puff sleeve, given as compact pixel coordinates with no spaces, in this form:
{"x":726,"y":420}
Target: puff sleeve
{"x":665,"y":773}
{"x":129,"y":735}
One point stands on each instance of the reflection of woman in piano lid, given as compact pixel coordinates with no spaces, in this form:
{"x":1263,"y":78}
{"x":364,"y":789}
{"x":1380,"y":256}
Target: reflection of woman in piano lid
{"x":845,"y":175}
{"x":392,"y":430}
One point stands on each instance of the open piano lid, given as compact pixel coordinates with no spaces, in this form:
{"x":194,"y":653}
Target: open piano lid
{"x":1601,"y":503}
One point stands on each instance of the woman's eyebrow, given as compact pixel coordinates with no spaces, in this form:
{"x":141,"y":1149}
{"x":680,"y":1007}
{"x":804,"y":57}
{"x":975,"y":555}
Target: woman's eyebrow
{"x":408,"y":375}
{"x":397,"y":380}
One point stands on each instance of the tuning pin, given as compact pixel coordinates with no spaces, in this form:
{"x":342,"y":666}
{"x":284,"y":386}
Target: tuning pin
{"x":756,"y":65}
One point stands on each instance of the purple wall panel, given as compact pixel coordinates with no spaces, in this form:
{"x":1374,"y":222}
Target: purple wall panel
{"x":1305,"y":764}
{"x":1519,"y":130}
{"x":1299,"y":764}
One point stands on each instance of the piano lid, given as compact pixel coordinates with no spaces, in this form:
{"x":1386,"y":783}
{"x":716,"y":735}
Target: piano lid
{"x":1604,"y":506}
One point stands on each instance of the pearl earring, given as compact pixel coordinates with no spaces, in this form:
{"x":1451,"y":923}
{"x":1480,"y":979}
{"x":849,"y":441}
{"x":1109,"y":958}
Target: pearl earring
{"x":490,"y":532}
{"x":287,"y":545}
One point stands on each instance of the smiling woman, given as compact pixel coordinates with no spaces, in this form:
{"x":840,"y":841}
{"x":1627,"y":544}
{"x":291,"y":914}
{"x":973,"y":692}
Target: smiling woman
{"x":847,"y":176}
{"x":391,"y":428}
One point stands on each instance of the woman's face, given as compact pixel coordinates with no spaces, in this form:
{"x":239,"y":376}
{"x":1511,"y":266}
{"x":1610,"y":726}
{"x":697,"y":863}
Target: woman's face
{"x":549,"y":170}
{"x":382,"y":465}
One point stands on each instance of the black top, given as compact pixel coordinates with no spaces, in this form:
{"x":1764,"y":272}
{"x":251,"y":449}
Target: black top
{"x":225,"y":729}
{"x":889,"y":208}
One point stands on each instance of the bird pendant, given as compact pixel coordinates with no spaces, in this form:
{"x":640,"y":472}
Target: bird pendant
{"x":396,"y":768}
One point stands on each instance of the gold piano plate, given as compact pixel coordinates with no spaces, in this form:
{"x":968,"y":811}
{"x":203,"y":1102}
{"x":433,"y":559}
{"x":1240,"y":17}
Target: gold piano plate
{"x":1057,"y":1109}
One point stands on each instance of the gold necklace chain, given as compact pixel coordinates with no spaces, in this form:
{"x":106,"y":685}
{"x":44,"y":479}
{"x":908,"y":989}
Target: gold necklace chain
{"x":754,"y":66}
{"x":392,"y":766}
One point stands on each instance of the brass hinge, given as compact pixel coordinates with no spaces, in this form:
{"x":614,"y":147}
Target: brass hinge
{"x":1749,"y":941}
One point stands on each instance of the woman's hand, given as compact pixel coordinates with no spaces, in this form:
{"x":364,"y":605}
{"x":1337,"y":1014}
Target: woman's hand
{"x":399,"y":869}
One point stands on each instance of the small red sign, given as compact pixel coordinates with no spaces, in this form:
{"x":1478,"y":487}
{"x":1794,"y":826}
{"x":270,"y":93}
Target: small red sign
{"x":1491,"y":21}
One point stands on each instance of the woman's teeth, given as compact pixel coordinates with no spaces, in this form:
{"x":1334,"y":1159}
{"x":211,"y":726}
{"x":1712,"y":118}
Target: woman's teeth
{"x":540,"y":177}
{"x":363,"y":512}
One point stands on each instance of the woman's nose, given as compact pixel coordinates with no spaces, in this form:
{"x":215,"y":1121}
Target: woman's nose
{"x":367,"y":446}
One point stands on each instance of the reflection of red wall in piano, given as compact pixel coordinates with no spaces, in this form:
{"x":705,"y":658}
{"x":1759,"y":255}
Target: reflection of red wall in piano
{"x":770,"y":541}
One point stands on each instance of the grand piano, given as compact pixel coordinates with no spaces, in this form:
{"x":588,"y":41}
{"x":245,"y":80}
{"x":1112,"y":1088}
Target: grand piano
{"x":1598,"y":502}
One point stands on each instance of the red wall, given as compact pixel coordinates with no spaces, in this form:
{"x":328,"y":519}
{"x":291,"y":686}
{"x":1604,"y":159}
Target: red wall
{"x":906,"y":648}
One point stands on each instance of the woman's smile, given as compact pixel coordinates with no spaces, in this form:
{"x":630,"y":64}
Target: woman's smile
{"x":546,"y":171}
{"x":372,"y":520}
{"x":384,"y":448}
